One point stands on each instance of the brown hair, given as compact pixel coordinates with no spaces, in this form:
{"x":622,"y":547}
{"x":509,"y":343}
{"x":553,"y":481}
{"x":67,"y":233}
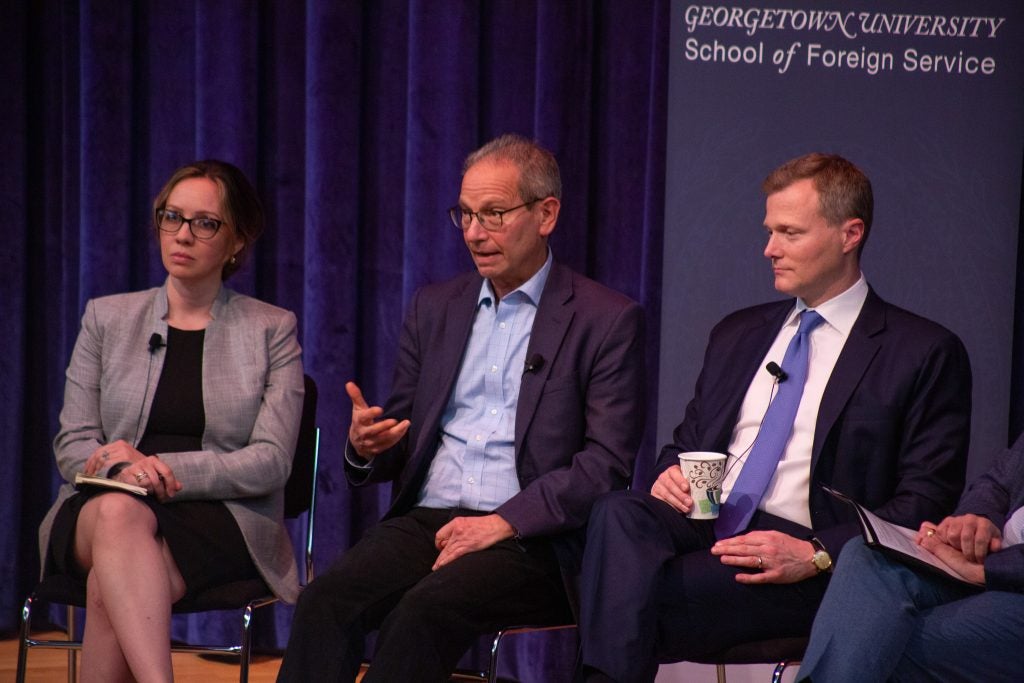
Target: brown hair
{"x":242,"y":211}
{"x":844,"y":192}
{"x":538,"y":170}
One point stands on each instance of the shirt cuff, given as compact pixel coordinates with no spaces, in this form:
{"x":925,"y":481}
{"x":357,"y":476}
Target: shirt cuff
{"x":354,"y":459}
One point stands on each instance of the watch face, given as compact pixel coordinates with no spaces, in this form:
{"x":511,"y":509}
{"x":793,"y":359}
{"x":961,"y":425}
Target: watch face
{"x":822,"y":561}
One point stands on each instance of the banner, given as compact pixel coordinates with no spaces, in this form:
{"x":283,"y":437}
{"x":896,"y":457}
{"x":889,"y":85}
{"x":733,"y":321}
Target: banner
{"x":926,"y":97}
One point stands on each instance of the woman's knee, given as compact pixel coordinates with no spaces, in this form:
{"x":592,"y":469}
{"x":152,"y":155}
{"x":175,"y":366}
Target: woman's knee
{"x":118,"y":510}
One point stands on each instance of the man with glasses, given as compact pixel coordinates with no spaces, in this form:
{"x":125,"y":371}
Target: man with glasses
{"x":517,"y":401}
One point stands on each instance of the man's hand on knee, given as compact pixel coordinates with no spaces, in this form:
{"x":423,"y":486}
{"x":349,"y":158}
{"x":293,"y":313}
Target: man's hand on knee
{"x":468,"y":534}
{"x":772,"y":556}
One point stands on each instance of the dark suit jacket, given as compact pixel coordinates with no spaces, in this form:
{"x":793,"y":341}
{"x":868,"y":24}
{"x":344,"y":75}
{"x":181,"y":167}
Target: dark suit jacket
{"x":997,"y":494}
{"x":579,"y":417}
{"x":894,"y":423}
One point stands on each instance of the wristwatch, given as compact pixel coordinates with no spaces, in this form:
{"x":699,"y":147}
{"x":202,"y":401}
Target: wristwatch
{"x":821,"y":560}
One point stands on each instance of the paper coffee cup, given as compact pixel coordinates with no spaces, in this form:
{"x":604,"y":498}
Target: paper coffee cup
{"x":705,"y":471}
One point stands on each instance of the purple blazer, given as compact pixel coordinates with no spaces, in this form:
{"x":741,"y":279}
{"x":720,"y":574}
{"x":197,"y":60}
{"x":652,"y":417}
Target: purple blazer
{"x":894,"y":424}
{"x":579,"y":417}
{"x":997,"y":494}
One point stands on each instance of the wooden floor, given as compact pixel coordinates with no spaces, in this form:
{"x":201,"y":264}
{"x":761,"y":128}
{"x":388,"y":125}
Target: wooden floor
{"x":51,"y":666}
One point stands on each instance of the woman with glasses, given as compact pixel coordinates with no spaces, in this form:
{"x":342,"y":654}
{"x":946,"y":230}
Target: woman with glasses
{"x":193,"y":393}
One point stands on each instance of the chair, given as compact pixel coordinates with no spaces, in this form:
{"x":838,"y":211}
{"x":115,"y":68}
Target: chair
{"x":782,"y":651}
{"x":491,"y":673}
{"x":300,"y":497}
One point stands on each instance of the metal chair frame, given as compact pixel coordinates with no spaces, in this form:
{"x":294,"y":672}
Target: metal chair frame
{"x":777,"y":672}
{"x":307,"y":447}
{"x":783,"y":652}
{"x":491,"y":674}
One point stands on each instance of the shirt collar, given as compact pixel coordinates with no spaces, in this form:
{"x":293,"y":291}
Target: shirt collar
{"x":841,"y":311}
{"x":531,"y":289}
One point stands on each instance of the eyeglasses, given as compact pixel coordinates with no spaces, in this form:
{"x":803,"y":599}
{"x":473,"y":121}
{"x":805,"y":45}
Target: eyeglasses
{"x":490,"y":220}
{"x":201,"y":227}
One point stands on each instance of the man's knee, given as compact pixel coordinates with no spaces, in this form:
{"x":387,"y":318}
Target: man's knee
{"x":855,"y":553}
{"x":622,"y":510}
{"x":424,"y":602}
{"x":323,"y":594}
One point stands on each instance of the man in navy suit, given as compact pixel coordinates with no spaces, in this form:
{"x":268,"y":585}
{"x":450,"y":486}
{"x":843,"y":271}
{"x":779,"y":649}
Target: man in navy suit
{"x":883,"y":620}
{"x":517,"y":401}
{"x":884,"y":417}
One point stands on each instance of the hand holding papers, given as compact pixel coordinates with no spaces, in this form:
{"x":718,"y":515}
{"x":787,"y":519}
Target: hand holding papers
{"x":897,"y":541}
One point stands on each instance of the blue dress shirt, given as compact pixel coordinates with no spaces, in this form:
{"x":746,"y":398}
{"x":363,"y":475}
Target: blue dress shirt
{"x":475,"y":465}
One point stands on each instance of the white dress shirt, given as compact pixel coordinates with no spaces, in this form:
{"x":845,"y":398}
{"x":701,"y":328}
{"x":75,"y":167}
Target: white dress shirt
{"x":788,"y":492}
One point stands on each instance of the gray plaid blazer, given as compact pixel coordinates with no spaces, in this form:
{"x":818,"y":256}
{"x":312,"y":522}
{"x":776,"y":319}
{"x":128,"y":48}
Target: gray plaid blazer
{"x":252,"y":395}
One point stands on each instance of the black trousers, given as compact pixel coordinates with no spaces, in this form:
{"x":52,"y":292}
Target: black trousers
{"x":427,"y":619}
{"x":652,"y":592}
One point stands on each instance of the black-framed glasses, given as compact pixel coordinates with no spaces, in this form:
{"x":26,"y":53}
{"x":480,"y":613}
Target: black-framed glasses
{"x":201,"y":227}
{"x":490,"y":220}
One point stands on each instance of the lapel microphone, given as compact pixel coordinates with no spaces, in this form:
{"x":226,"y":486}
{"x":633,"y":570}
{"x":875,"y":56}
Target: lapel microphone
{"x":533,"y":363}
{"x":155,"y":342}
{"x":775,"y":371}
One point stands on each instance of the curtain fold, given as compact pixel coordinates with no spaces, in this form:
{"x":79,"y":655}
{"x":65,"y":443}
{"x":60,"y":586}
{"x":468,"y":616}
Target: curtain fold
{"x":352,"y":119}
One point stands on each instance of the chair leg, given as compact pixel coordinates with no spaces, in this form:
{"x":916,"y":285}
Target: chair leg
{"x":26,"y":622}
{"x":246,"y":652}
{"x":780,"y":668}
{"x":720,"y":672}
{"x":492,"y":670}
{"x":72,"y":654}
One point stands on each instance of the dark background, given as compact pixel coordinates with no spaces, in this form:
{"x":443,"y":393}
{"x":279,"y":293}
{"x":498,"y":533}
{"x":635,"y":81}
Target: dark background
{"x":353,"y":118}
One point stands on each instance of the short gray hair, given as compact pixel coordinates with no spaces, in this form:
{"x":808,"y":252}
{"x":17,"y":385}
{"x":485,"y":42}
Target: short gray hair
{"x":538,"y":171}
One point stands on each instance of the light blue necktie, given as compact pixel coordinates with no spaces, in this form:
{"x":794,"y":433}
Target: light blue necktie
{"x":772,"y":437}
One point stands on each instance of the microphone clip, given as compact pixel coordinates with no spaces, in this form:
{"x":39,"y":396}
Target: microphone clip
{"x":533,"y":363}
{"x":777,"y":372}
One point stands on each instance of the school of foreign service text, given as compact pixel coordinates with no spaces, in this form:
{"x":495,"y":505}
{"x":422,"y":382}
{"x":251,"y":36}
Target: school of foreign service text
{"x":817,"y":55}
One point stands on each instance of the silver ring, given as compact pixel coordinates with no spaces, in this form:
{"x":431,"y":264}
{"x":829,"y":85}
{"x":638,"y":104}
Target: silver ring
{"x":760,"y":563}
{"x":139,"y":476}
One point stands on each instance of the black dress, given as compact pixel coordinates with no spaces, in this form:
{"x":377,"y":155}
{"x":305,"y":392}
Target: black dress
{"x":204,"y":538}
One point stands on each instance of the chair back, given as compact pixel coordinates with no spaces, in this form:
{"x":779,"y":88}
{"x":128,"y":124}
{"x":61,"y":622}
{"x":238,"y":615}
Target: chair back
{"x":248,"y":595}
{"x":300,"y":490}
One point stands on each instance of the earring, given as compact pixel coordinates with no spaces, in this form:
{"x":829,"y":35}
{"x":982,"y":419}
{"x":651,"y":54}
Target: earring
{"x":233,"y":260}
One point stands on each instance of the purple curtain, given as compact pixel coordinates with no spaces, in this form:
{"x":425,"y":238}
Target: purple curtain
{"x":352,"y":119}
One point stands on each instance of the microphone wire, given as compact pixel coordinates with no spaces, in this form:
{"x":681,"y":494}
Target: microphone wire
{"x":737,"y":459}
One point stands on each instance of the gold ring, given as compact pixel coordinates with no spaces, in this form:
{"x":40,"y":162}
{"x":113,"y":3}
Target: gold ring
{"x":760,"y":563}
{"x":139,"y":476}
{"x":931,"y":532}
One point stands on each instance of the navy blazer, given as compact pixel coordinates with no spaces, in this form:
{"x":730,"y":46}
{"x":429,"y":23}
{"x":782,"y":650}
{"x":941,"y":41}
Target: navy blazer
{"x":893,"y":427}
{"x":997,"y":494}
{"x":579,"y":417}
